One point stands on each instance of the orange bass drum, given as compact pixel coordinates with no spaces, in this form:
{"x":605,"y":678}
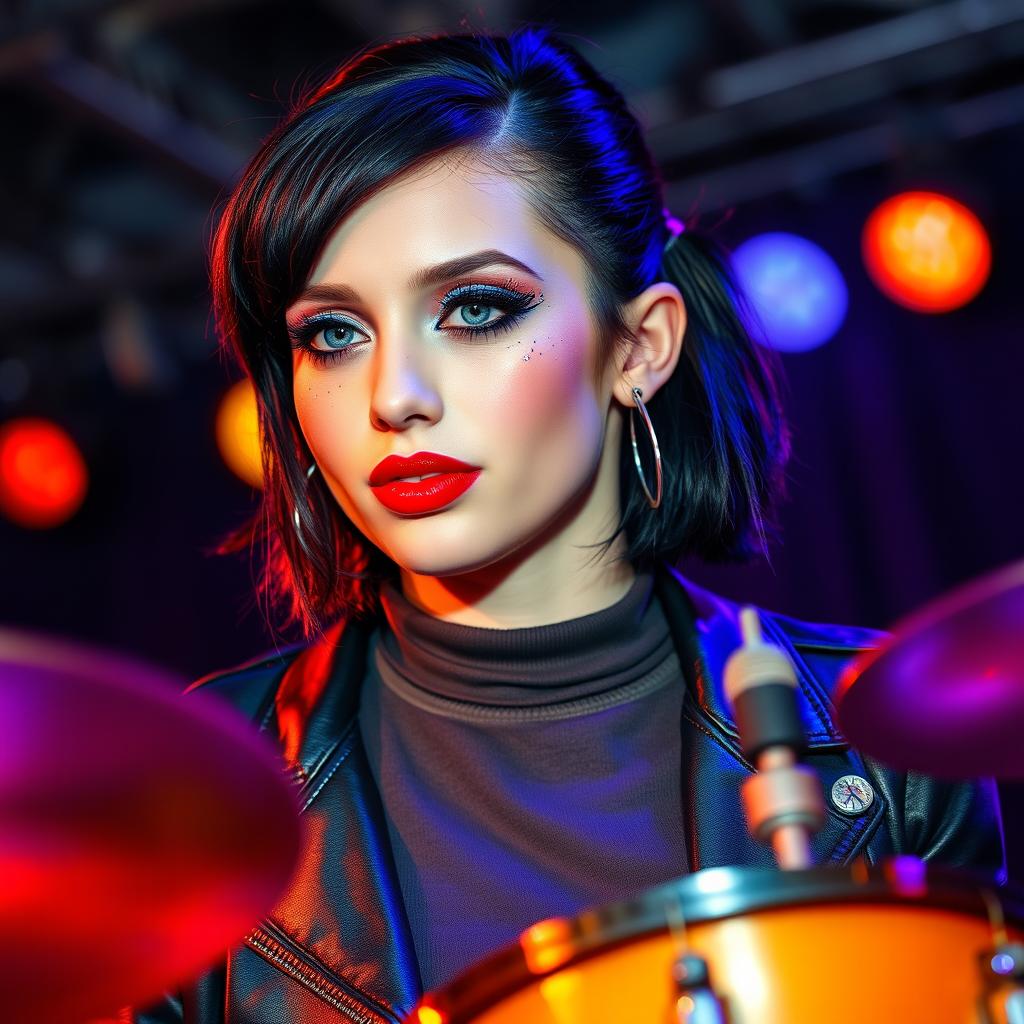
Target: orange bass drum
{"x":901,"y":942}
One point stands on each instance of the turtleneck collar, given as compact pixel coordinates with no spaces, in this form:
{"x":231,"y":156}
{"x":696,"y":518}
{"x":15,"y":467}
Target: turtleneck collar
{"x":531,"y":666}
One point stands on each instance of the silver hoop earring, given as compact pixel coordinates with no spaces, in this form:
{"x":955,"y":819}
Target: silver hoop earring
{"x":638,"y":399}
{"x":295,"y":508}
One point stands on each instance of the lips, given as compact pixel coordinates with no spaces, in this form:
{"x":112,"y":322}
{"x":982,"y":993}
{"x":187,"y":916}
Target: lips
{"x":445,"y":480}
{"x":397,"y":467}
{"x":405,"y":497}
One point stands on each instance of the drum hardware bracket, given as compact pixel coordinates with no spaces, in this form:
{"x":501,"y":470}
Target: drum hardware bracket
{"x":697,"y":1002}
{"x":783,"y":802}
{"x":1005,"y":961}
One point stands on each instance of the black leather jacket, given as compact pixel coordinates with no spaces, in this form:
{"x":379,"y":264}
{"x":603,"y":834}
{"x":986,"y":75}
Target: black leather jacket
{"x":337,"y":947}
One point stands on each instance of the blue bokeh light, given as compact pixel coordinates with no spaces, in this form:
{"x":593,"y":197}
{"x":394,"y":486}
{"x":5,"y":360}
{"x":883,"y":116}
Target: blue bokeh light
{"x":797,"y":292}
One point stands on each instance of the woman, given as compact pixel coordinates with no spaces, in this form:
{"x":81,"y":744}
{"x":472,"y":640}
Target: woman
{"x":511,"y":704}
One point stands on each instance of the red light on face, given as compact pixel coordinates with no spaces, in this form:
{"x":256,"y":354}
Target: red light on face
{"x":926,"y":251}
{"x":43,"y":477}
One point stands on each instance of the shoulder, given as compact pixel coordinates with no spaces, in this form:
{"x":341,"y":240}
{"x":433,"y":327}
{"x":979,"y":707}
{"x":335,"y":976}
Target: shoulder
{"x":250,"y":685}
{"x":715,"y":611}
{"x":955,"y":822}
{"x":827,"y":637}
{"x":819,"y":650}
{"x":824,"y":649}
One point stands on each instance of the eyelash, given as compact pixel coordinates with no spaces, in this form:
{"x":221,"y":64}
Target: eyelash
{"x":514,"y":302}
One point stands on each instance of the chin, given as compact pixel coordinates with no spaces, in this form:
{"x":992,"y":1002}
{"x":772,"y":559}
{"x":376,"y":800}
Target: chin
{"x":429,"y":547}
{"x":441,"y":560}
{"x":461,"y":542}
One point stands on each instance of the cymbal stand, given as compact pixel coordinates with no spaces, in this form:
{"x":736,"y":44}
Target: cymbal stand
{"x":783,"y":800}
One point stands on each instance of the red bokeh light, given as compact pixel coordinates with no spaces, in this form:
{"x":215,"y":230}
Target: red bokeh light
{"x":926,"y":251}
{"x":43,"y":476}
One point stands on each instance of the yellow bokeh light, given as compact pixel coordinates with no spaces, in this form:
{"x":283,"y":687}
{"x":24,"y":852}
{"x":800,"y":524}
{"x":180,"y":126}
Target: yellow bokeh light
{"x":237,"y":431}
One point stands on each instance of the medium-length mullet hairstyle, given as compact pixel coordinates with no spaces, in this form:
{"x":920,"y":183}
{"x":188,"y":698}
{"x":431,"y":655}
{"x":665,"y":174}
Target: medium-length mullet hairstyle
{"x":526,"y":104}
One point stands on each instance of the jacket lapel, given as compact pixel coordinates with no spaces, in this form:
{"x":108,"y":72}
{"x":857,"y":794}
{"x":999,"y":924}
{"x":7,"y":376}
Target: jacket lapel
{"x":342,"y":913}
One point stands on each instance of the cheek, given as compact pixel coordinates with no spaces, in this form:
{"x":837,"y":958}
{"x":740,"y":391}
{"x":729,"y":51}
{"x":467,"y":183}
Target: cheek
{"x":546,"y":396}
{"x":329,"y":423}
{"x":324,"y":413}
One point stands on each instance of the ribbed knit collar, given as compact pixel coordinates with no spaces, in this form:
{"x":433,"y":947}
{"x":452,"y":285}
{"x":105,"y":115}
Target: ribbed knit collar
{"x":531,"y":666}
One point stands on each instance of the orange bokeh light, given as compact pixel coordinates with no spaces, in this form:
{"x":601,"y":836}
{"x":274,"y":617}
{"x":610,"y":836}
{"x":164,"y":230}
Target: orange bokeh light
{"x":43,"y":476}
{"x":237,"y":431}
{"x":926,"y":251}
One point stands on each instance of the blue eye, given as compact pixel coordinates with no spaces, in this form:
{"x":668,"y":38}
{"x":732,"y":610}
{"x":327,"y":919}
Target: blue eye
{"x":330,"y":326}
{"x":339,"y":328}
{"x":477,"y":304}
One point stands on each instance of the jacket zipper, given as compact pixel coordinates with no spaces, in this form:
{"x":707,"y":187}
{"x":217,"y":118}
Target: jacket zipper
{"x":314,"y":980}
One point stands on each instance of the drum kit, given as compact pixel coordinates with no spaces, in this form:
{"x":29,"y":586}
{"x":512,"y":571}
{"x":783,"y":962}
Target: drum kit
{"x":126,"y":857}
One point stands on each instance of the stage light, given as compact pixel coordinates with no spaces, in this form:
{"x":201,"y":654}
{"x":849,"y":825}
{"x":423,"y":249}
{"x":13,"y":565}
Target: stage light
{"x":798,"y":294}
{"x":237,"y":432}
{"x":43,"y":476}
{"x":926,"y":251}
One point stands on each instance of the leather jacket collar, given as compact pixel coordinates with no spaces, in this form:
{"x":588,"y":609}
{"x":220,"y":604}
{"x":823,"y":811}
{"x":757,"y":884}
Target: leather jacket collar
{"x":309,"y":713}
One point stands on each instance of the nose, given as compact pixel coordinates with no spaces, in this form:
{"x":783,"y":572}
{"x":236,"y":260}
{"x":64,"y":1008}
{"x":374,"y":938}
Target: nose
{"x":403,"y":388}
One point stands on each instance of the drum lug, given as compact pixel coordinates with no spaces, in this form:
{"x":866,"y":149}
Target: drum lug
{"x":697,"y":1002}
{"x":1007,"y":962}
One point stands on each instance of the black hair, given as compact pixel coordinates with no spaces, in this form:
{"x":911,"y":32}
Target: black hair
{"x":527,"y":104}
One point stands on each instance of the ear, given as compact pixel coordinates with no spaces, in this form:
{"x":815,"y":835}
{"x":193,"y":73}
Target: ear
{"x":658,"y":318}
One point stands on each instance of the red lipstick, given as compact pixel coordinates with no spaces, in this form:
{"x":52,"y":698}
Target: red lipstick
{"x":409,"y":497}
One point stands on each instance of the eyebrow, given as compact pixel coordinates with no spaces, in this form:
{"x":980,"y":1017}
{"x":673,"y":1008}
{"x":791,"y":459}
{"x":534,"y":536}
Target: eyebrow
{"x":426,"y":277}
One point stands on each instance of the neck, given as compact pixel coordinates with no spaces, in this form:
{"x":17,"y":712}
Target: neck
{"x":536,"y":594}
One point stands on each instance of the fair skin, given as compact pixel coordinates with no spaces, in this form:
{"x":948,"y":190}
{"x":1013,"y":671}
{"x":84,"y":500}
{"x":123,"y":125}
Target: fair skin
{"x":522,"y":404}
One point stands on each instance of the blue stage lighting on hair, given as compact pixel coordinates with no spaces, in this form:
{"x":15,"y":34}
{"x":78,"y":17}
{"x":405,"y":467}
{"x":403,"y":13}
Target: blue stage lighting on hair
{"x":797,"y":292}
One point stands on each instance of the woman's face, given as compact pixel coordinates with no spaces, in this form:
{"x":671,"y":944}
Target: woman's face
{"x":395,"y":370}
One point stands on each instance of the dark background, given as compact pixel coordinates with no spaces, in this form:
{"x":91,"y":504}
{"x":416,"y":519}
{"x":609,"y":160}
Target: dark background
{"x":126,"y":124}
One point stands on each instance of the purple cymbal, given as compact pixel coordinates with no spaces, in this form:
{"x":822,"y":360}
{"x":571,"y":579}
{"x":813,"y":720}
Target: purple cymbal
{"x":142,"y":832}
{"x":945,"y":693}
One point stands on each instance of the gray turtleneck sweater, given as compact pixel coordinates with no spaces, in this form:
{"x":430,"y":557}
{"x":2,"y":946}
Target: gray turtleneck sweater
{"x":525,"y":773}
